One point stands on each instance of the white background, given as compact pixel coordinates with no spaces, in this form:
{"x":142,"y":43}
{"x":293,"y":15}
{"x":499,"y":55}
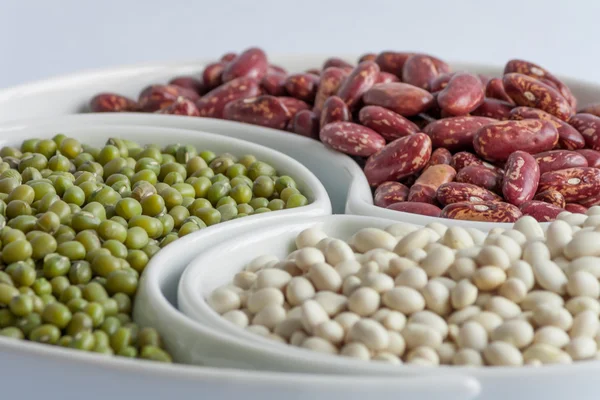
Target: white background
{"x":44,"y":38}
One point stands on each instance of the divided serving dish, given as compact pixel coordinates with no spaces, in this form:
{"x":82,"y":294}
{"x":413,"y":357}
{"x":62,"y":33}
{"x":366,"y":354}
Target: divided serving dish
{"x":348,"y":191}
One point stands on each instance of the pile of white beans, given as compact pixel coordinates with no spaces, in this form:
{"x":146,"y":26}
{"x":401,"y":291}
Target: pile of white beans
{"x":431,"y":295}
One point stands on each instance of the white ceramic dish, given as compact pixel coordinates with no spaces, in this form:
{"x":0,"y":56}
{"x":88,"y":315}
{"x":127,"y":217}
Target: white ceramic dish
{"x":70,"y":94}
{"x":52,"y":369}
{"x":200,"y":277}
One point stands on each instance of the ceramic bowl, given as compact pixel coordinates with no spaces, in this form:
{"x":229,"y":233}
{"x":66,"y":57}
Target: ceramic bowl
{"x":200,"y":277}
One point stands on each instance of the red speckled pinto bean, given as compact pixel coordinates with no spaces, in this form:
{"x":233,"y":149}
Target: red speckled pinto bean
{"x":486,"y":211}
{"x":302,"y":86}
{"x":386,"y":77}
{"x":334,"y":110}
{"x":552,"y":197}
{"x":252,"y":63}
{"x":293,"y":105}
{"x":351,"y":138}
{"x":306,"y":123}
{"x":554,"y":160}
{"x":156,"y":97}
{"x":497,"y":141}
{"x":463,"y":94}
{"x":530,"y":92}
{"x":212,"y":76}
{"x":494,"y":108}
{"x":111,"y":102}
{"x":392,"y":61}
{"x":425,"y":187}
{"x":535,"y":71}
{"x":399,"y":159}
{"x":495,"y":90}
{"x":331,"y":78}
{"x":568,"y":137}
{"x":189,"y":82}
{"x":402,"y":98}
{"x":181,"y":106}
{"x":576,"y":208}
{"x":455,"y":133}
{"x":481,"y":176}
{"x":413,"y":207}
{"x":589,"y":127}
{"x":592,"y":157}
{"x":440,"y":156}
{"x":456,"y":192}
{"x":387,"y":123}
{"x":213,"y":103}
{"x":464,"y":159}
{"x":420,"y":70}
{"x":389,"y":193}
{"x":274,"y":84}
{"x":263,"y":110}
{"x":542,"y":212}
{"x":361,"y":79}
{"x":441,"y":82}
{"x":521,"y":178}
{"x":577,"y":185}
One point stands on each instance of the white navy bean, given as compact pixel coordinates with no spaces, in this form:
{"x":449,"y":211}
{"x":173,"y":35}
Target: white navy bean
{"x":338,"y":251}
{"x":309,"y":237}
{"x":371,"y":238}
{"x":529,"y":227}
{"x":415,"y":278}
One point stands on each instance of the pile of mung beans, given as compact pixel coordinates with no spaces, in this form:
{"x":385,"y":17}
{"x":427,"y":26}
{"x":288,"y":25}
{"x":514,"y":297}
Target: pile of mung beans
{"x":78,"y":225}
{"x":432,"y":295}
{"x":432,"y":141}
